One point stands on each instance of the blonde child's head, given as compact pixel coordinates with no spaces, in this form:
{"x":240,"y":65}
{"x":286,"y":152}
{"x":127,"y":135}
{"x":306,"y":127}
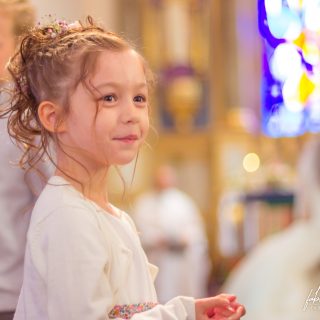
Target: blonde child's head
{"x":16,"y":16}
{"x":58,"y":75}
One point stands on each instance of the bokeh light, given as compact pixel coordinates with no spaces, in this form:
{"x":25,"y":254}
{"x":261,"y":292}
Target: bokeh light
{"x":251,"y":162}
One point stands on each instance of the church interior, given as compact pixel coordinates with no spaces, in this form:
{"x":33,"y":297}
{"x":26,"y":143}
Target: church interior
{"x":207,"y":121}
{"x":209,"y":116}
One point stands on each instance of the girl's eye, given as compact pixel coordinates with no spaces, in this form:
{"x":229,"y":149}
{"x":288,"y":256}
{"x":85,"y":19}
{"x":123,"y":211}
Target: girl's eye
{"x":140,"y":99}
{"x":109,"y":98}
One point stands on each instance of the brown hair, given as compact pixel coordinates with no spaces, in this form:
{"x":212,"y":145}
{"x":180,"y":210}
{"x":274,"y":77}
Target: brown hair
{"x":22,"y":13}
{"x":50,"y":64}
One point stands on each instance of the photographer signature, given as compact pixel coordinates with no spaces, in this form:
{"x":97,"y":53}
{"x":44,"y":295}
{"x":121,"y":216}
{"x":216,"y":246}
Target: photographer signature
{"x":313,"y":298}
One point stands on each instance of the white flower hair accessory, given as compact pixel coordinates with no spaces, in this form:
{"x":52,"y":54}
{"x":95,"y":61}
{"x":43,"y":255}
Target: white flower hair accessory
{"x":59,"y":27}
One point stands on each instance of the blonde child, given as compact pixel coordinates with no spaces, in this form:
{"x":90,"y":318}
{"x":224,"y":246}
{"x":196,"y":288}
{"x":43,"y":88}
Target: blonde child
{"x":86,"y":90}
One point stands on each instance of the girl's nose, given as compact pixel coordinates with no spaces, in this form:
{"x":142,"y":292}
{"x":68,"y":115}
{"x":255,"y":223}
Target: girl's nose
{"x":130,"y":112}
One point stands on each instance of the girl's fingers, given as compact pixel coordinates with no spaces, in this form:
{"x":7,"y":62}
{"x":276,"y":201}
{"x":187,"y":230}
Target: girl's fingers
{"x":242,"y":310}
{"x":210,"y":303}
{"x":212,"y":309}
{"x":235,"y":305}
{"x":221,"y":307}
{"x":238,"y":314}
{"x":207,"y":306}
{"x":223,"y":312}
{"x":230,"y":297}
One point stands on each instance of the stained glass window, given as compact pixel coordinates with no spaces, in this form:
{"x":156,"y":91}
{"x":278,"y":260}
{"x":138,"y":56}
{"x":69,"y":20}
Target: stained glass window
{"x":291,"y":65}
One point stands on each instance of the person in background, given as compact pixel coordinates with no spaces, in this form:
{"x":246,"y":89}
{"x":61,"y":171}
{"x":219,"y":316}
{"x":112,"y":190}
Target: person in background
{"x":280,"y":278}
{"x":173,"y":235}
{"x":16,"y":195}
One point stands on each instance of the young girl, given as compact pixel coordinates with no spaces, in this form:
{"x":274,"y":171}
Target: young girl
{"x":86,"y":90}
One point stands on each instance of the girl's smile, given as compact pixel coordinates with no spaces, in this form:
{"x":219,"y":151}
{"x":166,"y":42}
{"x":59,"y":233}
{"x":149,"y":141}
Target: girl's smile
{"x":128,"y":139}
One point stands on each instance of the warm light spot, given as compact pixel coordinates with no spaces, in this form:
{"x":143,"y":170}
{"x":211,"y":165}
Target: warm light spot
{"x":251,"y":162}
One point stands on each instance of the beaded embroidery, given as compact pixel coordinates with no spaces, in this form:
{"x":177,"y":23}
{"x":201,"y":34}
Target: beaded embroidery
{"x":126,"y":311}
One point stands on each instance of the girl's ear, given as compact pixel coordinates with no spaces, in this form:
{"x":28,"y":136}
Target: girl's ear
{"x":50,"y":116}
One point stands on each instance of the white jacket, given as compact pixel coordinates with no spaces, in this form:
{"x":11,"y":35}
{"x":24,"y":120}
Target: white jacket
{"x":81,"y":262}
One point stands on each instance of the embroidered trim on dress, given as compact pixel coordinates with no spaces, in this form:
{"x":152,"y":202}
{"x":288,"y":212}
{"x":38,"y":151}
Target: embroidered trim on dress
{"x":126,"y":311}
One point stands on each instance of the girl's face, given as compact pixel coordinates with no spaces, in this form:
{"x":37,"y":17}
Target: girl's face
{"x":113,"y":133}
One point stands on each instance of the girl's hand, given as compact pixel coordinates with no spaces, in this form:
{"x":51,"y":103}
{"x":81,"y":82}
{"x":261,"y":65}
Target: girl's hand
{"x":221,"y":307}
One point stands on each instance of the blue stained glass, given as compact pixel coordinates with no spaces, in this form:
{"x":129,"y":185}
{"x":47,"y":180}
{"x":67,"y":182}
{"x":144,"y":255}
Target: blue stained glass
{"x":290,"y":88}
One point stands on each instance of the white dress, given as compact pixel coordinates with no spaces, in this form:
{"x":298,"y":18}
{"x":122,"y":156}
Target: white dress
{"x":81,"y":262}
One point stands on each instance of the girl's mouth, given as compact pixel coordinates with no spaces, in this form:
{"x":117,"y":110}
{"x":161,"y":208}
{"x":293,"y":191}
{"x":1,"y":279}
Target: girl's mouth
{"x":127,"y":139}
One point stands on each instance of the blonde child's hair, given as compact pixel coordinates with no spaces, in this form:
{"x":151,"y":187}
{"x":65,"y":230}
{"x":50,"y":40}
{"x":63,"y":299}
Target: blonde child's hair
{"x":51,"y":62}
